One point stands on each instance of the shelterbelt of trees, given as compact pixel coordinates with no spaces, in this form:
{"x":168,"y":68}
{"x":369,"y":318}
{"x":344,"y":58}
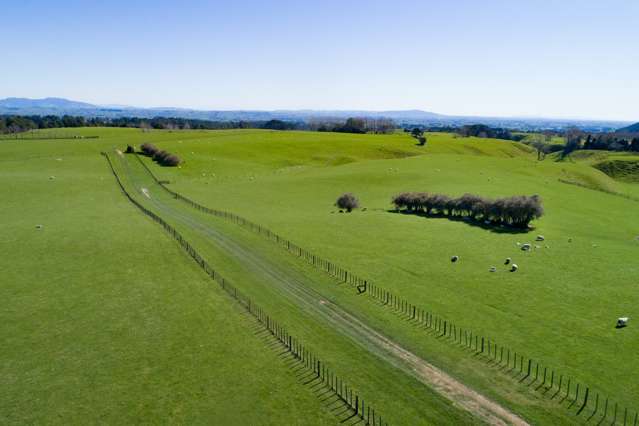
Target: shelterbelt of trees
{"x":517,"y":211}
{"x":617,"y":141}
{"x":17,"y":124}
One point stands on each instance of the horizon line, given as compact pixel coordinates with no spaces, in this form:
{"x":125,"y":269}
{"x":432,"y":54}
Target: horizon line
{"x":325,"y":110}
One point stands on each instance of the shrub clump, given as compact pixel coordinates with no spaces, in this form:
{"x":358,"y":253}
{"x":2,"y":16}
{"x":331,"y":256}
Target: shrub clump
{"x":159,"y":156}
{"x":171,"y":160}
{"x":347,"y":202}
{"x":163,"y":158}
{"x":129,"y":149}
{"x":517,"y":211}
{"x":148,"y":149}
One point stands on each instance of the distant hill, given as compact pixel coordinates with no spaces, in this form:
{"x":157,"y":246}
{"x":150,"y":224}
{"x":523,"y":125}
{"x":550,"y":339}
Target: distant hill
{"x":630,"y":129}
{"x":60,"y":106}
{"x":46,"y":103}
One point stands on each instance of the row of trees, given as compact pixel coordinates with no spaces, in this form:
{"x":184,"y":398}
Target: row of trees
{"x":483,"y":131}
{"x":354,"y":125}
{"x":517,"y":211}
{"x":576,"y":140}
{"x":163,"y":158}
{"x":17,"y":124}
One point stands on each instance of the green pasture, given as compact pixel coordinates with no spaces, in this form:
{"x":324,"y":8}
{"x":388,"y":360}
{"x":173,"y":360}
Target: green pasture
{"x":560,"y":307}
{"x":106,"y":320}
{"x":116,"y":311}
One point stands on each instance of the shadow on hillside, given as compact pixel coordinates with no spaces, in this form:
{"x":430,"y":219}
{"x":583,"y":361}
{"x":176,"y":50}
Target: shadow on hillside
{"x":492,"y":227}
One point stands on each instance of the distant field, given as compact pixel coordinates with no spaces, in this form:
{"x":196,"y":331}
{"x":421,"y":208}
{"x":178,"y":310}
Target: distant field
{"x":560,"y":307}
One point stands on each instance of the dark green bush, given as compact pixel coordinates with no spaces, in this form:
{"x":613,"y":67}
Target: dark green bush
{"x":148,"y":149}
{"x":347,"y":202}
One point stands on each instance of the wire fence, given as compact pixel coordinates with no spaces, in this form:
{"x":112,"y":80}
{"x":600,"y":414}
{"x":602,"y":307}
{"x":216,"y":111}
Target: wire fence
{"x":29,"y":136}
{"x":322,"y":372}
{"x":578,"y":396}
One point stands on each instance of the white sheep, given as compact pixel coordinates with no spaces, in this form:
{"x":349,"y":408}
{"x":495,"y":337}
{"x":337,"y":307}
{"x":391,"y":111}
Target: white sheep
{"x":454,"y":259}
{"x":514,"y":267}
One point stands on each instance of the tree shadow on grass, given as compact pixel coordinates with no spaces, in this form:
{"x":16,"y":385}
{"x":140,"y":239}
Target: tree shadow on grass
{"x":492,"y":227}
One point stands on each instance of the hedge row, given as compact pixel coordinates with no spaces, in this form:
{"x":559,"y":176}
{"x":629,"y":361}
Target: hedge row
{"x":161,"y":157}
{"x":515,"y":211}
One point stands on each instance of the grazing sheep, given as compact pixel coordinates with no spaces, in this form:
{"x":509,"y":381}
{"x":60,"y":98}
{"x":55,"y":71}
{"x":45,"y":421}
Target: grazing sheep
{"x":508,"y":259}
{"x":622,"y":322}
{"x":525,"y":247}
{"x":514,"y":267}
{"x":493,"y":269}
{"x":540,"y":238}
{"x":38,"y":226}
{"x":454,"y":259}
{"x":51,"y":177}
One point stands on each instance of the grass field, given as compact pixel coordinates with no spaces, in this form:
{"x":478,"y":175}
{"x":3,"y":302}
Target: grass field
{"x":99,"y":315}
{"x":105,"y":319}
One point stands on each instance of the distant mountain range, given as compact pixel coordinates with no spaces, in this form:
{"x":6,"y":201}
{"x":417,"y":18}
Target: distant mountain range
{"x":60,"y":106}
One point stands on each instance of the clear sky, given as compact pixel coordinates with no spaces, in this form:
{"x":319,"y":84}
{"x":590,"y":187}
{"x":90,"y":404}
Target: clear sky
{"x":560,"y":58}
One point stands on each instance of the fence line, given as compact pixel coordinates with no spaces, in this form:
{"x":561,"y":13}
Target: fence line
{"x":38,"y":136}
{"x":294,"y":345}
{"x":499,"y":355}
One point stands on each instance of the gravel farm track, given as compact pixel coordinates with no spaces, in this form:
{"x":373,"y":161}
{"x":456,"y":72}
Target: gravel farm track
{"x":294,"y":287}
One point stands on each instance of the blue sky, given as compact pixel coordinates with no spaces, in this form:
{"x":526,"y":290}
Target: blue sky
{"x":503,"y":58}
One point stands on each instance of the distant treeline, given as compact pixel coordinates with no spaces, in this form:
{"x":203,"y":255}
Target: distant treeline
{"x":576,"y":140}
{"x":18,"y":123}
{"x":516,"y":211}
{"x":475,"y":130}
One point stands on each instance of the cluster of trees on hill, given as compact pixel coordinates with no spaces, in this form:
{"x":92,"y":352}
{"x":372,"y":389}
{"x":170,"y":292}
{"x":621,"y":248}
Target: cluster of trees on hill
{"x":354,"y":125}
{"x":483,"y":131}
{"x":17,"y":124}
{"x":161,"y":157}
{"x":476,"y":130}
{"x":516,"y":211}
{"x":576,"y":140}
